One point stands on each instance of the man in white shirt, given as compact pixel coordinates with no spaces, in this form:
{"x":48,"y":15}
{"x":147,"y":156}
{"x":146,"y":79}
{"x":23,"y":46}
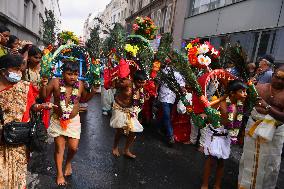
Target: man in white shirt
{"x":167,"y":98}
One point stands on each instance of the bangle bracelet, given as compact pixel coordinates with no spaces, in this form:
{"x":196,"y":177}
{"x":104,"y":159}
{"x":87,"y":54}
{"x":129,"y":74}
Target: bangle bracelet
{"x":268,"y":107}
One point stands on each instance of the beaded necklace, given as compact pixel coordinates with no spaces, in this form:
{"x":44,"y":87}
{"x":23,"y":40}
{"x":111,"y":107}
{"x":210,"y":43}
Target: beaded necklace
{"x":67,"y":108}
{"x":234,"y":126}
{"x":138,"y":102}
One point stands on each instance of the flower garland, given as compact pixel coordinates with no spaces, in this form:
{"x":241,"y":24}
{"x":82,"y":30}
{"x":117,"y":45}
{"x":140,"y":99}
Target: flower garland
{"x":234,"y":126}
{"x":201,"y":55}
{"x":145,"y":27}
{"x":66,"y":36}
{"x":138,"y":102}
{"x":67,"y":108}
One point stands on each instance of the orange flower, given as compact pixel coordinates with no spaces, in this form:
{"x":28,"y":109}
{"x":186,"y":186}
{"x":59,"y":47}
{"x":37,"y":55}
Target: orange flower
{"x":147,"y":31}
{"x":189,"y":109}
{"x":64,"y":124}
{"x":156,"y":66}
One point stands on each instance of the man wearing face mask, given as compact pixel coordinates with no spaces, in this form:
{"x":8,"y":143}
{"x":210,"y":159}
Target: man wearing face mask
{"x":16,"y":99}
{"x":4,"y":37}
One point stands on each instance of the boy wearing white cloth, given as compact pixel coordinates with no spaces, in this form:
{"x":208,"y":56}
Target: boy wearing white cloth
{"x":65,"y":124}
{"x":217,"y":140}
{"x":129,"y":99}
{"x":261,"y":158}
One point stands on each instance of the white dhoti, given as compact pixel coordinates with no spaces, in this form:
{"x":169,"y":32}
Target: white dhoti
{"x":217,"y":143}
{"x":261,"y":158}
{"x":125,"y":118}
{"x":107,"y":99}
{"x":73,"y":129}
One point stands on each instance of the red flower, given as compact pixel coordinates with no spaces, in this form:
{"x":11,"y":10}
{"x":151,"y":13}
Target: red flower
{"x":153,"y":74}
{"x":197,"y":40}
{"x":192,"y":51}
{"x":113,"y":50}
{"x":135,"y":27}
{"x":151,"y":88}
{"x":193,"y":60}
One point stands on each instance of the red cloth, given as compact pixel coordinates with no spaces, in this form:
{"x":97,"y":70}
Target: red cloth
{"x":31,"y":98}
{"x":181,"y":126}
{"x":151,"y":88}
{"x":123,"y":69}
{"x":46,"y":114}
{"x":147,"y":110}
{"x":222,"y":75}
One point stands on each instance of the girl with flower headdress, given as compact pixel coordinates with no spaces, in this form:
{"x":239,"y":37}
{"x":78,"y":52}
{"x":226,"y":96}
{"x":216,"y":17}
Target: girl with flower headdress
{"x":65,"y":122}
{"x":218,"y":140}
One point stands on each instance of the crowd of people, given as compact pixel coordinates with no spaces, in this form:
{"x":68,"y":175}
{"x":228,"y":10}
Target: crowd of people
{"x":22,"y":89}
{"x":261,"y":136}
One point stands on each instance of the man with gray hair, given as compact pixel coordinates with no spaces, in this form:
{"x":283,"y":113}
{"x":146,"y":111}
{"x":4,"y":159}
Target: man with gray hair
{"x":265,"y":69}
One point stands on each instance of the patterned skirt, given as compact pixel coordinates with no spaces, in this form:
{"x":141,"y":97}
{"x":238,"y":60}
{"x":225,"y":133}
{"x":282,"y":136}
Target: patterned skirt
{"x":13,"y":167}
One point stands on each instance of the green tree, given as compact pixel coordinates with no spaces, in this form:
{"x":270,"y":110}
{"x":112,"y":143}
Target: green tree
{"x":49,"y":27}
{"x":116,"y":39}
{"x":164,"y":47}
{"x":93,"y":44}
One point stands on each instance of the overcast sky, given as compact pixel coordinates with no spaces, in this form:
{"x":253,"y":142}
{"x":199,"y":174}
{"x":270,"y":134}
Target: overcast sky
{"x":75,"y":12}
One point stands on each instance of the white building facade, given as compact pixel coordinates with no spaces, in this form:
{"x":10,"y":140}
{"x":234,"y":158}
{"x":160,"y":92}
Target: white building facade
{"x":115,"y":12}
{"x":24,"y":17}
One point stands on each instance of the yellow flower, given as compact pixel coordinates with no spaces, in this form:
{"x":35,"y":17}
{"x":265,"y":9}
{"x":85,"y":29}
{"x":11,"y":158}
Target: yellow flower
{"x":189,"y":46}
{"x":131,"y":49}
{"x":214,"y":98}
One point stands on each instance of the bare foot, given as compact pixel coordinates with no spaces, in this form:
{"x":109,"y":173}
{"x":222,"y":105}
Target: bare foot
{"x":115,"y":152}
{"x":61,"y":181}
{"x":68,"y":170}
{"x":204,"y":187}
{"x":129,"y":155}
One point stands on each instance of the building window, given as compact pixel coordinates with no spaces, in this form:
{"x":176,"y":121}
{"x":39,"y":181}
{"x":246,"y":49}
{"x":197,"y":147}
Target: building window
{"x":153,"y":17}
{"x":139,"y":5}
{"x":278,"y":46}
{"x":34,"y":17}
{"x":159,"y":18}
{"x":40,"y":24}
{"x":168,"y":19}
{"x":200,"y":6}
{"x":248,"y":40}
{"x":26,"y":12}
{"x":266,"y":44}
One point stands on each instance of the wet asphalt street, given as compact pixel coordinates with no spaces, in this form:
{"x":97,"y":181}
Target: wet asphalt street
{"x":156,"y":166}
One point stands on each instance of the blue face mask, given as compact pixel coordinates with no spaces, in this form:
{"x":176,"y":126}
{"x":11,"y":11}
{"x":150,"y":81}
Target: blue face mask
{"x":13,"y":77}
